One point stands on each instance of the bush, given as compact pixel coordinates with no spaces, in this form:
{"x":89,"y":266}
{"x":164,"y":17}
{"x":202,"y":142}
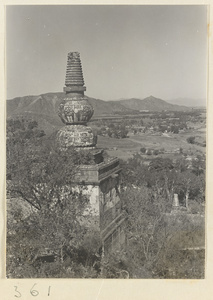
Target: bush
{"x":149,"y":152}
{"x":156,"y":152}
{"x":143,"y":150}
{"x":196,"y":207}
{"x":191,"y":139}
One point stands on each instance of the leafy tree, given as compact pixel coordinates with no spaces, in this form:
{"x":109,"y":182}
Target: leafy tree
{"x":123,"y":131}
{"x":155,"y":239}
{"x":181,"y":165}
{"x":160,"y":164}
{"x":143,"y":150}
{"x":134,"y":171}
{"x":149,"y":152}
{"x":176,"y":261}
{"x":156,"y":152}
{"x":198,"y":165}
{"x":147,"y":229}
{"x":174,"y":129}
{"x":191,"y":139}
{"x":23,"y":136}
{"x":118,"y":131}
{"x":42,"y":178}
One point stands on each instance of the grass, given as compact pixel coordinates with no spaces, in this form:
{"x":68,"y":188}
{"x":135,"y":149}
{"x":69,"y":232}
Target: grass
{"x":121,"y":148}
{"x":125,"y":148}
{"x":171,"y":143}
{"x":109,"y":143}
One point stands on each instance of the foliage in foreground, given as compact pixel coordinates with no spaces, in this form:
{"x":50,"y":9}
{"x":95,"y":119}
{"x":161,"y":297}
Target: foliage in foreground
{"x":39,"y":177}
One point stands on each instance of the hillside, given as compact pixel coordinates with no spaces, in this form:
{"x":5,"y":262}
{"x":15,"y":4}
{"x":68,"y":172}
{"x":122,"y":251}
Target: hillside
{"x":188,"y":102}
{"x":41,"y":108}
{"x":152,"y":104}
{"x":44,"y":108}
{"x":107,"y":107}
{"x":47,"y":104}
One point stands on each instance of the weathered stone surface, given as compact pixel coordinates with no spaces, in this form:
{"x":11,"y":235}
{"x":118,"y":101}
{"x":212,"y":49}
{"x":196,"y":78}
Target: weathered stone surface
{"x":76,"y":136}
{"x":75,"y":111}
{"x":175,"y":201}
{"x":74,"y":75}
{"x":74,"y":89}
{"x":101,"y":175}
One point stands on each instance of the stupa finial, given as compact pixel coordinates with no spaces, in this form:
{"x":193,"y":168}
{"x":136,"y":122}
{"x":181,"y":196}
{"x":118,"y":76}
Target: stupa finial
{"x":74,"y":81}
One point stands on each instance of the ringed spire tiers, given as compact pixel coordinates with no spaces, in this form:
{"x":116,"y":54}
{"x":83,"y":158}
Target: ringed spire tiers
{"x":75,"y":110}
{"x":74,"y":76}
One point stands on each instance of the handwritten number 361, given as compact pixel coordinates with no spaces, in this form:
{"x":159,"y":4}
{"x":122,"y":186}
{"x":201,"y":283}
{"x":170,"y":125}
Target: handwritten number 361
{"x":33,"y":292}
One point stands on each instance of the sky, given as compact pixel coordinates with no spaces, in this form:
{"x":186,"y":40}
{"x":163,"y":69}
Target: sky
{"x":127,"y":51}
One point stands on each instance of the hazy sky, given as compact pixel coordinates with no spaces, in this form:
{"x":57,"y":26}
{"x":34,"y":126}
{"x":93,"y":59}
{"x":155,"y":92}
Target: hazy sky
{"x":126,"y":51}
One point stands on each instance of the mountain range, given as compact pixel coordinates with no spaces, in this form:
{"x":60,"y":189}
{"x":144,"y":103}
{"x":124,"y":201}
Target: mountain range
{"x":44,"y":108}
{"x":199,"y":102}
{"x":152,"y":104}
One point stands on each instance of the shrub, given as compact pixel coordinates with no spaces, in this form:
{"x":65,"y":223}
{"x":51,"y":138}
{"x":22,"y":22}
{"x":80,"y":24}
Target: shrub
{"x":191,"y":139}
{"x":143,"y":150}
{"x":149,"y":152}
{"x":156,"y":152}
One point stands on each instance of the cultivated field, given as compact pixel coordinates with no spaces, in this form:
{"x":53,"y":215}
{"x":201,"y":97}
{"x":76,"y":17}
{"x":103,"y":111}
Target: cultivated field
{"x":171,"y":143}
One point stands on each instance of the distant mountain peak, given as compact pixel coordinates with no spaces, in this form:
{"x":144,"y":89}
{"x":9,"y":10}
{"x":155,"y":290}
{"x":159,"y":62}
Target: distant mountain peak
{"x":150,"y":103}
{"x":153,"y":97}
{"x":46,"y":105}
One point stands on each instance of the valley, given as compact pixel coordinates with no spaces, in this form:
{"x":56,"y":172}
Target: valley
{"x":159,"y":127}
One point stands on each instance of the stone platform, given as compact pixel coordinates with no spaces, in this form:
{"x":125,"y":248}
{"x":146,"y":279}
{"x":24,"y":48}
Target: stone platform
{"x":102,"y":186}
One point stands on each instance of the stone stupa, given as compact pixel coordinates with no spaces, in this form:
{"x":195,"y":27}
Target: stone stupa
{"x":101,"y":178}
{"x":75,"y":110}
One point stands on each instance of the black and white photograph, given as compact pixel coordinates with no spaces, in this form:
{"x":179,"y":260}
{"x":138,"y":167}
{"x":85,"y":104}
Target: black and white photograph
{"x":106,"y":141}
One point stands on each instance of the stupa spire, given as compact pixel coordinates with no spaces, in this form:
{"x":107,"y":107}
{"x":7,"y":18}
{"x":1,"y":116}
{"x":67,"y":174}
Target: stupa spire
{"x":74,"y":74}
